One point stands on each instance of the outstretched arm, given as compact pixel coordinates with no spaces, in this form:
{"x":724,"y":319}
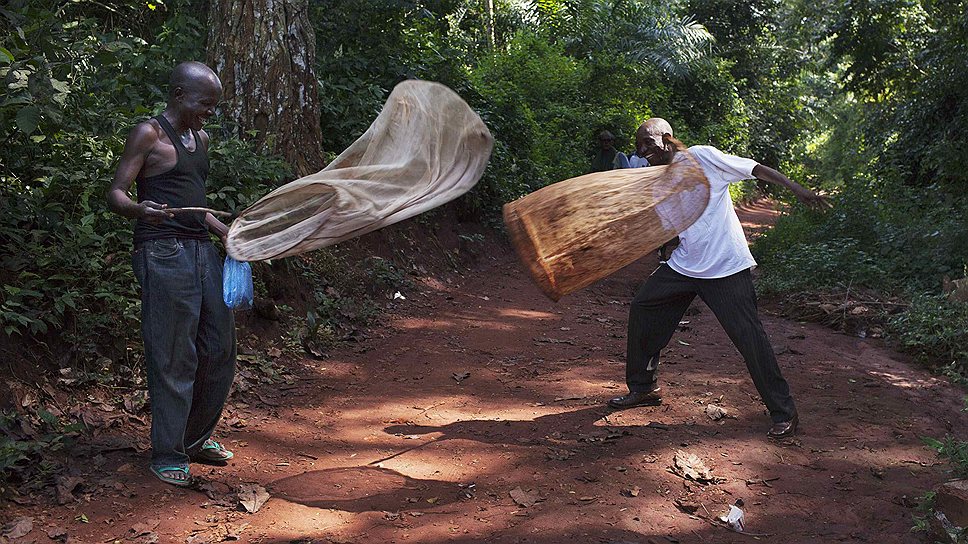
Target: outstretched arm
{"x":803,"y":194}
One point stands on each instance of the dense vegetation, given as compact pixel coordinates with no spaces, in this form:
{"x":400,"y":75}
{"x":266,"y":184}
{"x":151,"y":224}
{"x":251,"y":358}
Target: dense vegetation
{"x":864,"y":99}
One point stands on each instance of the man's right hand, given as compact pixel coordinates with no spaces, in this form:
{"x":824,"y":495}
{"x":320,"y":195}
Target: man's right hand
{"x":152,"y":212}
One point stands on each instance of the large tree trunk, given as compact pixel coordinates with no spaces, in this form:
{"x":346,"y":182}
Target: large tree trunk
{"x":264,"y":51}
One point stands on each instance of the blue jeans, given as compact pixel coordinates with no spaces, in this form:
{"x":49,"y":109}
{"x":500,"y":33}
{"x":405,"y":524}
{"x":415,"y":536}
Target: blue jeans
{"x":189,"y":338}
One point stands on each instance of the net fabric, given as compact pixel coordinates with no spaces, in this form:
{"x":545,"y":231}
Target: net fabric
{"x":575,"y":232}
{"x":425,"y":148}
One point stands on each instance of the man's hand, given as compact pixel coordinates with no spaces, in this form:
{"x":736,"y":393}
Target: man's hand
{"x":217,"y":227}
{"x":808,"y":197}
{"x":152,"y":212}
{"x":811,"y":199}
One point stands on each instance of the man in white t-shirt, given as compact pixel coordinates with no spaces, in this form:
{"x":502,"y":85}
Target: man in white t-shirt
{"x":712,"y":261}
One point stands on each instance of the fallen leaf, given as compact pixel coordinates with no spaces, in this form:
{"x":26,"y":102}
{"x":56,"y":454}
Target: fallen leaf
{"x":460,"y":376}
{"x":18,"y":527}
{"x":687,"y":504}
{"x":714,"y":412}
{"x":65,"y":486}
{"x":142,"y":528}
{"x":691,"y":467}
{"x":147,"y":538}
{"x":523,"y":498}
{"x":235,"y":533}
{"x":56,"y":533}
{"x":252,"y":497}
{"x":554,"y":341}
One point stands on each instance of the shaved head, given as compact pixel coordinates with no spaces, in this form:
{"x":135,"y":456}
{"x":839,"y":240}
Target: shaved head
{"x":192,"y":76}
{"x":653,"y":129}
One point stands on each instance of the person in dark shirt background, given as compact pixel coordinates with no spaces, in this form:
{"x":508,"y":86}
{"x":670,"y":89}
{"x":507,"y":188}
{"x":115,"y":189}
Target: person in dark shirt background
{"x":608,"y":158}
{"x":188,"y":331}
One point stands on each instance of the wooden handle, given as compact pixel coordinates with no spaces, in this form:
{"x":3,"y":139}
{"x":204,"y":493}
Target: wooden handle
{"x":196,"y":209}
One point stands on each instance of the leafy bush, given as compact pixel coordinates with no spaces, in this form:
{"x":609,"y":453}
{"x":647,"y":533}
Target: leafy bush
{"x":27,"y":445}
{"x":935,"y":330}
{"x":954,"y":450}
{"x":78,"y":83}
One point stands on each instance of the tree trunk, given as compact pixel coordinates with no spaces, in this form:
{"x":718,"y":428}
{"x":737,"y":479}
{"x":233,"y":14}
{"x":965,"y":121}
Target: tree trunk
{"x":264,"y":51}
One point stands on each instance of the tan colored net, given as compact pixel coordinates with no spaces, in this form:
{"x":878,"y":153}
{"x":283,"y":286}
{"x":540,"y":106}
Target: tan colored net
{"x":426,"y":148}
{"x":580,"y":230}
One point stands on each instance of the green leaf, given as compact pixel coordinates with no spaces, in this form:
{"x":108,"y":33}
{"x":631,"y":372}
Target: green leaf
{"x":5,"y":55}
{"x":28,"y":118}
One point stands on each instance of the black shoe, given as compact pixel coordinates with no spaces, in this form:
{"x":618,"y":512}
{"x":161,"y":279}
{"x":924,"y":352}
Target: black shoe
{"x":636,"y":398}
{"x":784,"y":429}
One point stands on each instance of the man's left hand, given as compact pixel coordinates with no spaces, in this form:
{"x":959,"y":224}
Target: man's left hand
{"x":813,"y":200}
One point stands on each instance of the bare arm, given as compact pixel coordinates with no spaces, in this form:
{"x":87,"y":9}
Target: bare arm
{"x":136,"y":148}
{"x":803,"y":194}
{"x":216,"y":227}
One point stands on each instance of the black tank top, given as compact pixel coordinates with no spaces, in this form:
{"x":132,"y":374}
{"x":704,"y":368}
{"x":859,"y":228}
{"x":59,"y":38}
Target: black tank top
{"x":180,"y":187}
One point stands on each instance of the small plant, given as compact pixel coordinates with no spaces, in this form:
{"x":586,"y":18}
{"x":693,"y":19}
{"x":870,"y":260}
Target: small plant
{"x":28,"y":443}
{"x":955,"y":451}
{"x":923,"y":511}
{"x":936,"y":329}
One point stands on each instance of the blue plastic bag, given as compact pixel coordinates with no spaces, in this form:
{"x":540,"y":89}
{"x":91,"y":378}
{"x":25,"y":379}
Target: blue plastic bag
{"x":237,"y":284}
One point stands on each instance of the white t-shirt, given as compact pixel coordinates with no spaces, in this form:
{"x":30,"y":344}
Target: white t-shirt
{"x":715,"y":246}
{"x":636,"y":161}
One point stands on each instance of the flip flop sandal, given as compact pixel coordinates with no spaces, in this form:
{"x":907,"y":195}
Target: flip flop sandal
{"x":161,"y":474}
{"x":213,"y":452}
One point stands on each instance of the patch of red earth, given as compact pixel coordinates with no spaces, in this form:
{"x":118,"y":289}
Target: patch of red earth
{"x":479,"y":385}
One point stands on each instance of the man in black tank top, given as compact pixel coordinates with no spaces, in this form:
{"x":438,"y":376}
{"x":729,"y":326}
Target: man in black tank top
{"x":189,"y":333}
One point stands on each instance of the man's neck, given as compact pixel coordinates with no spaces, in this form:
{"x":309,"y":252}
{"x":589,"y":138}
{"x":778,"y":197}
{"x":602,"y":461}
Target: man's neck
{"x":175,"y":122}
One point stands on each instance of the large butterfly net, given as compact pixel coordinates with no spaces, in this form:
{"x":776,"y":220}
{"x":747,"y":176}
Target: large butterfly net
{"x":426,"y":147}
{"x":575,"y":232}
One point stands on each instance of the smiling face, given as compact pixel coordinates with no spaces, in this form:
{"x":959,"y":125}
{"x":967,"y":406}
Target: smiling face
{"x":656,"y":155}
{"x":649,"y":143}
{"x":196,"y":102}
{"x":194,"y":92}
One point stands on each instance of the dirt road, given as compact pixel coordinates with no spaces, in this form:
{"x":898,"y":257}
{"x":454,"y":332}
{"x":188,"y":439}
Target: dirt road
{"x":476,"y":414}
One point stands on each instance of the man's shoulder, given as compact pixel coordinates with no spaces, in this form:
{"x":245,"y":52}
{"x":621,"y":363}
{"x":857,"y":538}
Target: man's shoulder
{"x":705,"y":150}
{"x":714,"y":154}
{"x":147,"y":131}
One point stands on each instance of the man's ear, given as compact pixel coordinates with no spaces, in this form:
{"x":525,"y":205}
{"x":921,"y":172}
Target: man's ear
{"x":178,"y":94}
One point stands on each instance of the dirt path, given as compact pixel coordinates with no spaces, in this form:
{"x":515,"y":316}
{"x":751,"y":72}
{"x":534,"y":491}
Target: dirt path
{"x":480,"y":386}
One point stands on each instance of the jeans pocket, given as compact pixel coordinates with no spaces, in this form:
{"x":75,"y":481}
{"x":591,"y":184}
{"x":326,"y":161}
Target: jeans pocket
{"x":165,"y":248}
{"x":138,"y":264}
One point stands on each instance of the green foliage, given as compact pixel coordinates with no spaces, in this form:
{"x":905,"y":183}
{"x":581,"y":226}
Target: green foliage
{"x":28,"y":443}
{"x":954,"y":450}
{"x":832,"y":263}
{"x":923,"y":511}
{"x":77,"y":80}
{"x":936,"y":330}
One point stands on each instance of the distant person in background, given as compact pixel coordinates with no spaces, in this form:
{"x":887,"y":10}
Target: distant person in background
{"x":637,"y":159}
{"x":608,"y":158}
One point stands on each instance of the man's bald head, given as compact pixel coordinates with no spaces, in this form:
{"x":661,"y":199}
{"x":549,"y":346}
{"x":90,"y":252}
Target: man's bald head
{"x":192,"y":76}
{"x":653,"y":129}
{"x":649,"y":141}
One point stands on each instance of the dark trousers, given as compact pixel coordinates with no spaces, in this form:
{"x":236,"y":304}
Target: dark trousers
{"x":189,"y":337}
{"x":659,"y":306}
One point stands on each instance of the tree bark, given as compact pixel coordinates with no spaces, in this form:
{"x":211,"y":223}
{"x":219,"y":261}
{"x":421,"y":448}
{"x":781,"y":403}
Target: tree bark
{"x":264,"y":51}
